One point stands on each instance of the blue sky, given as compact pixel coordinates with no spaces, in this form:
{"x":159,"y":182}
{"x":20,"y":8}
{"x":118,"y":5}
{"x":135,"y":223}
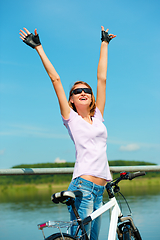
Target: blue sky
{"x":31,"y":129}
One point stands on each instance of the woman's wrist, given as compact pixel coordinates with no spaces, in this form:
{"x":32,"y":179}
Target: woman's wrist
{"x":105,"y":43}
{"x":39,"y":46}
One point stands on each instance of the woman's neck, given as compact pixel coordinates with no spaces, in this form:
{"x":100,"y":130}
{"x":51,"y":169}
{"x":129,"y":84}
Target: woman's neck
{"x":85,"y":115}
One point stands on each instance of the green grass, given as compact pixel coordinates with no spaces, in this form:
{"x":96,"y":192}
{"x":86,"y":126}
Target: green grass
{"x":28,"y":192}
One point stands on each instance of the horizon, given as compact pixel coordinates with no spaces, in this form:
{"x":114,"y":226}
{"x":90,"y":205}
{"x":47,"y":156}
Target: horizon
{"x":143,"y":163}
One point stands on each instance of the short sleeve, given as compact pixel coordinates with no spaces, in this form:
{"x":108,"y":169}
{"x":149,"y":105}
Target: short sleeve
{"x":72,"y":115}
{"x":98,"y":115}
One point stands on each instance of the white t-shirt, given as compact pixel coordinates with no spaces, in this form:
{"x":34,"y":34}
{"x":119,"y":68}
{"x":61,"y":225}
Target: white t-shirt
{"x":90,"y":143}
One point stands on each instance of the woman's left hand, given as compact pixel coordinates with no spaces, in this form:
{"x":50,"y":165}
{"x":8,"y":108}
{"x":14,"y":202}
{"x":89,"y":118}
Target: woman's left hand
{"x":105,"y":36}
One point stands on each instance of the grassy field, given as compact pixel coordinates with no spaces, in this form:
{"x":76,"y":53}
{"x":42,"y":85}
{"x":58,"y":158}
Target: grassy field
{"x":140,"y":186}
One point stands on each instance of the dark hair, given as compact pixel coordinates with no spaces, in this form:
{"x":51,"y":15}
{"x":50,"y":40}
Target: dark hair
{"x":93,"y":103}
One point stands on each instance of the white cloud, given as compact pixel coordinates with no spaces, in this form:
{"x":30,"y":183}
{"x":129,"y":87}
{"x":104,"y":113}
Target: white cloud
{"x":124,"y":144}
{"x":2,"y":151}
{"x":58,"y":160}
{"x":130,"y":147}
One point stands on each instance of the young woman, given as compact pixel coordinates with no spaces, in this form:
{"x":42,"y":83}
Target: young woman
{"x":83,"y":117}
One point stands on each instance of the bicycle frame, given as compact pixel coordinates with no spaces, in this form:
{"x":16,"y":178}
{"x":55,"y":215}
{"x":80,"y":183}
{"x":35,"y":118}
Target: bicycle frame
{"x":115,"y":213}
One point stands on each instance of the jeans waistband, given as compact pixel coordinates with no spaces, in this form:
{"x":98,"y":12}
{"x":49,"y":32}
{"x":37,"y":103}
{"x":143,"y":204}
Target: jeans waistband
{"x":89,"y":184}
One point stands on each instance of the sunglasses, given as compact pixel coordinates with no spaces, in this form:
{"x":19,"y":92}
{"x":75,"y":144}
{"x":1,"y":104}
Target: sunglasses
{"x":79,"y":90}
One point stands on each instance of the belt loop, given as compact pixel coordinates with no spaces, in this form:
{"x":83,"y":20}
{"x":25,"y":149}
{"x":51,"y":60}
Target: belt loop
{"x":93,"y":187}
{"x":76,"y":181}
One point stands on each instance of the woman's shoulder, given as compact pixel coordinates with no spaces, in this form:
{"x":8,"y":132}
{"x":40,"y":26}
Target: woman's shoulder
{"x":98,"y":114}
{"x":72,"y":115}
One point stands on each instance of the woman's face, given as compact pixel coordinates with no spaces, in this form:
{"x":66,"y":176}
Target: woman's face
{"x":81,"y":99}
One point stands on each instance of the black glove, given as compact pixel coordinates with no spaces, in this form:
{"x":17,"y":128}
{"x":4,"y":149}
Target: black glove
{"x":32,"y":40}
{"x":105,"y":37}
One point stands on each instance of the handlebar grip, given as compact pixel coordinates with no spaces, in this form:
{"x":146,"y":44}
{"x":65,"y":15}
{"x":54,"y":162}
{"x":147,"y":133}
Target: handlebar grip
{"x":136,"y":174}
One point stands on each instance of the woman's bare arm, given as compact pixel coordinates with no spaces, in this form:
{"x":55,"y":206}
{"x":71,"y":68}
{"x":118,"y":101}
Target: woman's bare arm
{"x":63,"y":103}
{"x":102,"y":74}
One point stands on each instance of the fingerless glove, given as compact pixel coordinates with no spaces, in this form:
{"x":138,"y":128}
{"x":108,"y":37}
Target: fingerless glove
{"x":105,"y":37}
{"x":32,"y":40}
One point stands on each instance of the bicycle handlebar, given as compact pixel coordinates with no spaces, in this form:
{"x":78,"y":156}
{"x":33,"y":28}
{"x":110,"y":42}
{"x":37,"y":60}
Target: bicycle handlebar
{"x":123,"y":176}
{"x":126,"y":176}
{"x":136,"y":174}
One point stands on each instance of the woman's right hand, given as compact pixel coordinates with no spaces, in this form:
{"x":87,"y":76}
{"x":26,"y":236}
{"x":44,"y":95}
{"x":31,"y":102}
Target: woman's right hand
{"x":29,"y":38}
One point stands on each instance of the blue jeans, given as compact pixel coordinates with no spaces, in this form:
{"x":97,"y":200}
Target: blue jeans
{"x":92,"y":199}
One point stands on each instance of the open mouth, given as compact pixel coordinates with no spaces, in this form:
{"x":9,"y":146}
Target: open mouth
{"x":82,"y":98}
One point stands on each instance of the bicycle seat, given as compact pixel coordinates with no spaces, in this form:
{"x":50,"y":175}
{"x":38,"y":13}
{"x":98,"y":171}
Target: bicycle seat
{"x":64,"y":196}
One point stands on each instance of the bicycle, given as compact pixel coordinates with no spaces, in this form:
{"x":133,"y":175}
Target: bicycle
{"x":122,"y":226}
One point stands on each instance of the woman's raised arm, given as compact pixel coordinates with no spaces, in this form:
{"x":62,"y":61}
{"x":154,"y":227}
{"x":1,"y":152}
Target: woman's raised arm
{"x":102,"y":70}
{"x":34,"y":42}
